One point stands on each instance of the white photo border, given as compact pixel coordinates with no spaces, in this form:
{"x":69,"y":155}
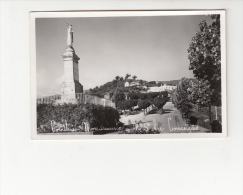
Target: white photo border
{"x":70,"y":14}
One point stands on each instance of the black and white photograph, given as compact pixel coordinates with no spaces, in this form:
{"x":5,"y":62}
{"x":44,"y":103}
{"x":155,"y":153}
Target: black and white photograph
{"x":131,"y":74}
{"x":121,"y":97}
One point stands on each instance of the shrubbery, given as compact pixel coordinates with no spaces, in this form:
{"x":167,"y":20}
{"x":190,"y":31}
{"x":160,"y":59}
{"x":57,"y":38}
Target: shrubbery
{"x":204,"y":123}
{"x":75,"y":114}
{"x":143,"y":100}
{"x":142,"y":104}
{"x":216,"y":126}
{"x":201,"y":120}
{"x":126,"y":104}
{"x":140,"y":131}
{"x":193,"y":120}
{"x":159,"y":102}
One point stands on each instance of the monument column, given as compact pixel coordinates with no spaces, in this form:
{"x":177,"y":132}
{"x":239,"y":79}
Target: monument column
{"x":71,"y":84}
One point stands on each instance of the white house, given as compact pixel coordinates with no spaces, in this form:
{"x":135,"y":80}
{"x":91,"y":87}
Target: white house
{"x":162,"y":88}
{"x":133,"y":83}
{"x":127,"y":84}
{"x":168,"y":87}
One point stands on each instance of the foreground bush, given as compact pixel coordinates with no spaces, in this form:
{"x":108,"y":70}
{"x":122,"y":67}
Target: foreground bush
{"x":140,"y":131}
{"x":216,"y":127}
{"x":74,"y":114}
{"x":202,"y":121}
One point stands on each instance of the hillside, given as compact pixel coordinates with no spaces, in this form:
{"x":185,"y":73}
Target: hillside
{"x":118,"y":84}
{"x":172,"y":82}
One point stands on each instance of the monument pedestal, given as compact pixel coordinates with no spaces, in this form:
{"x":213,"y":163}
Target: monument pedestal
{"x":71,"y":85}
{"x":67,"y":101}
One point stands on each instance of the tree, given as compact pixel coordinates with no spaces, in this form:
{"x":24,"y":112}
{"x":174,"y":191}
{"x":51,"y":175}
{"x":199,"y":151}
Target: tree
{"x":151,"y":84}
{"x":163,"y":94}
{"x":120,"y":96}
{"x":159,"y":102}
{"x":126,"y":104}
{"x":200,"y":94}
{"x":174,"y":97}
{"x":134,"y":77}
{"x":204,"y":54}
{"x":127,"y":76}
{"x":133,"y":95}
{"x":180,"y":97}
{"x":117,"y":78}
{"x":142,"y":104}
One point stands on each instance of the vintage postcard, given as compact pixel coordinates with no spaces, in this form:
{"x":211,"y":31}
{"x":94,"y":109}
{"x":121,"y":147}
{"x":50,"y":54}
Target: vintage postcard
{"x":128,"y":74}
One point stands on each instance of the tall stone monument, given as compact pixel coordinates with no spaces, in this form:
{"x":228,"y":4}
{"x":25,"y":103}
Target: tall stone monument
{"x":71,"y":84}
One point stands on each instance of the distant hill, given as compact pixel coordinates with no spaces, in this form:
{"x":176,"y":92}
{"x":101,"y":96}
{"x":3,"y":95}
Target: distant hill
{"x":119,"y":85}
{"x":172,"y":82}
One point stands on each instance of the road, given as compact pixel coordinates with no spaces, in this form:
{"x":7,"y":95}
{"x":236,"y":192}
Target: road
{"x":170,"y":120}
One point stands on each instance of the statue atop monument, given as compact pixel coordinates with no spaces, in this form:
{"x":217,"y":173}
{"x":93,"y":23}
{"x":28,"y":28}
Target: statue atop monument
{"x":69,"y":35}
{"x":71,"y":85}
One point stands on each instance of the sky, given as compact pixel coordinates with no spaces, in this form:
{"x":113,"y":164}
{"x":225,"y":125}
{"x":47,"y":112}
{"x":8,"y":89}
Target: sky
{"x":153,"y":48}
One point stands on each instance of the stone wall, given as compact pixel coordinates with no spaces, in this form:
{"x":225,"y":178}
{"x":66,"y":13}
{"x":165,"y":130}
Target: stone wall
{"x":78,"y":98}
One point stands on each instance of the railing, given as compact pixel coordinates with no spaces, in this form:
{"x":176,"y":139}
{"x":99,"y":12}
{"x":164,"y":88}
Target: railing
{"x":48,"y":99}
{"x":86,"y":98}
{"x":148,"y":109}
{"x":76,"y":98}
